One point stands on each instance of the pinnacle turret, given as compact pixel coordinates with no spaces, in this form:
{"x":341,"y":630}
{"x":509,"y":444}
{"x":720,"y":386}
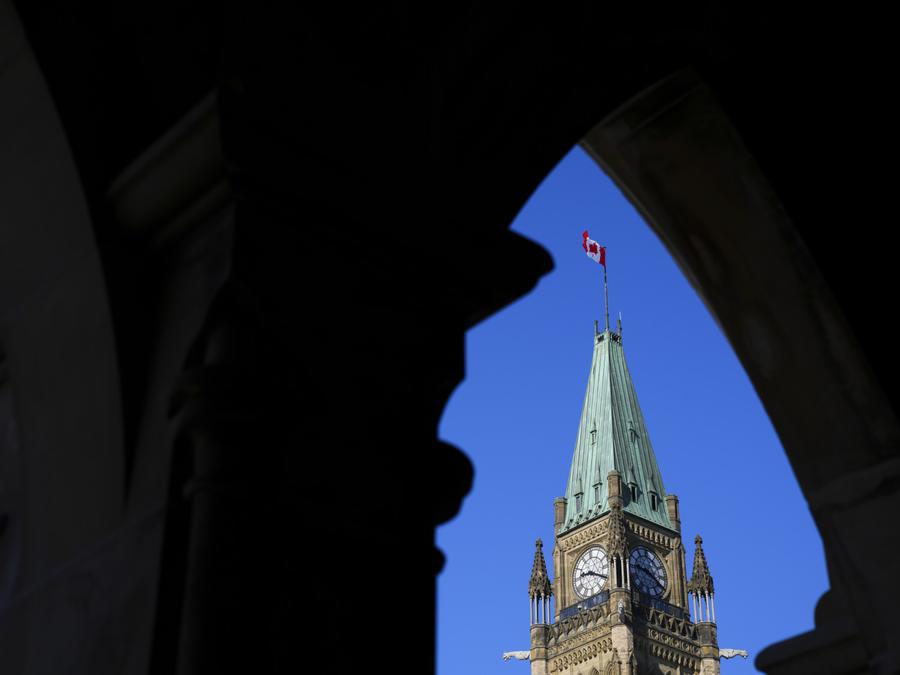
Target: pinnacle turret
{"x":539,"y":584}
{"x":701,"y":580}
{"x":539,"y":589}
{"x":701,"y":585}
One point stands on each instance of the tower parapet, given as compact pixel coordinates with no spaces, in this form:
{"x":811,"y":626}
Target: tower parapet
{"x":702,"y":592}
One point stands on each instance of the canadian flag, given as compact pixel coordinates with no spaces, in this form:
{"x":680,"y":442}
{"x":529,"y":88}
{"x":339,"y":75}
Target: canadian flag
{"x":595,"y":251}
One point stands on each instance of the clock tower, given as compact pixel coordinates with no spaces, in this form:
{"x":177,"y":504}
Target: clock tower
{"x":621,"y":600}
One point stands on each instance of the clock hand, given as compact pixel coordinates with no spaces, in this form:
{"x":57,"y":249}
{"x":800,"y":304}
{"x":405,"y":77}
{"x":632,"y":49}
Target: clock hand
{"x":650,"y":574}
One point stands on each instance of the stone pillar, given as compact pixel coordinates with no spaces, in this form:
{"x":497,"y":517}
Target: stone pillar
{"x":621,"y":627}
{"x":679,"y":596}
{"x":616,"y":545}
{"x":682,"y":578}
{"x":559,"y":512}
{"x":709,"y":649}
{"x":614,"y":489}
{"x":539,"y":635}
{"x":557,"y":582}
{"x":559,"y":516}
{"x":673,"y":511}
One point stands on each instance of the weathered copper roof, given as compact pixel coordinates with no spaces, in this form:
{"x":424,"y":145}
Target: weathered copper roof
{"x":612,"y":435}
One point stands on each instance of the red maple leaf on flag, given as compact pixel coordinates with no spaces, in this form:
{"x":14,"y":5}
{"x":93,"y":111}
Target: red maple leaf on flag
{"x":595,"y":252}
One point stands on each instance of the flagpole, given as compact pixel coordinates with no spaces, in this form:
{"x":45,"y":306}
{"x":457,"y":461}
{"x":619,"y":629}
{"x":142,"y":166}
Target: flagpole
{"x":605,"y":297}
{"x":597,"y":253}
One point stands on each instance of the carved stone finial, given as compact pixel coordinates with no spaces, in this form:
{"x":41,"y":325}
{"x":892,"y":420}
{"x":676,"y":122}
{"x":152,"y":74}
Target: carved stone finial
{"x":616,"y":542}
{"x":539,"y":584}
{"x":701,"y":579}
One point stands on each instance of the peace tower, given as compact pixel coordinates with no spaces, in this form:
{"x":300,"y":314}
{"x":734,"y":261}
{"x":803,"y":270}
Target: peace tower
{"x":621,"y":600}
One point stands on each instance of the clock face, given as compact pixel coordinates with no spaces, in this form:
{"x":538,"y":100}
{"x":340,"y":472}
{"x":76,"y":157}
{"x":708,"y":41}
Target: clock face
{"x":648,"y":574}
{"x":591,"y":572}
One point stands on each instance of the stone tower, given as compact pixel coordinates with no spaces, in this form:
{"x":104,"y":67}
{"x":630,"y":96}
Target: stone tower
{"x":622,"y":603}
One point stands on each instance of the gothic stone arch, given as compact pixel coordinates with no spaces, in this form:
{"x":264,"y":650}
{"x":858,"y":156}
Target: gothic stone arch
{"x":401,"y":113}
{"x":668,"y":149}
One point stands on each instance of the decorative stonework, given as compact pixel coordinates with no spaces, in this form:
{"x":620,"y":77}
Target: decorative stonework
{"x":581,"y":655}
{"x":615,"y":664}
{"x":599,"y":638}
{"x":682,"y":628}
{"x":583,"y":536}
{"x":539,"y":584}
{"x":588,"y":618}
{"x":616,"y":540}
{"x":701,"y":580}
{"x":673,"y":642}
{"x":667,"y":654}
{"x":650,"y":535}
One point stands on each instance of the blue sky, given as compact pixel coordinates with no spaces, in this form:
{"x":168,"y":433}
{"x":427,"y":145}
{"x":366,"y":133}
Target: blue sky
{"x":516,"y":414}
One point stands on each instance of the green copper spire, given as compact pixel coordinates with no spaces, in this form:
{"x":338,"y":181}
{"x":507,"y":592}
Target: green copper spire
{"x":612,"y":435}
